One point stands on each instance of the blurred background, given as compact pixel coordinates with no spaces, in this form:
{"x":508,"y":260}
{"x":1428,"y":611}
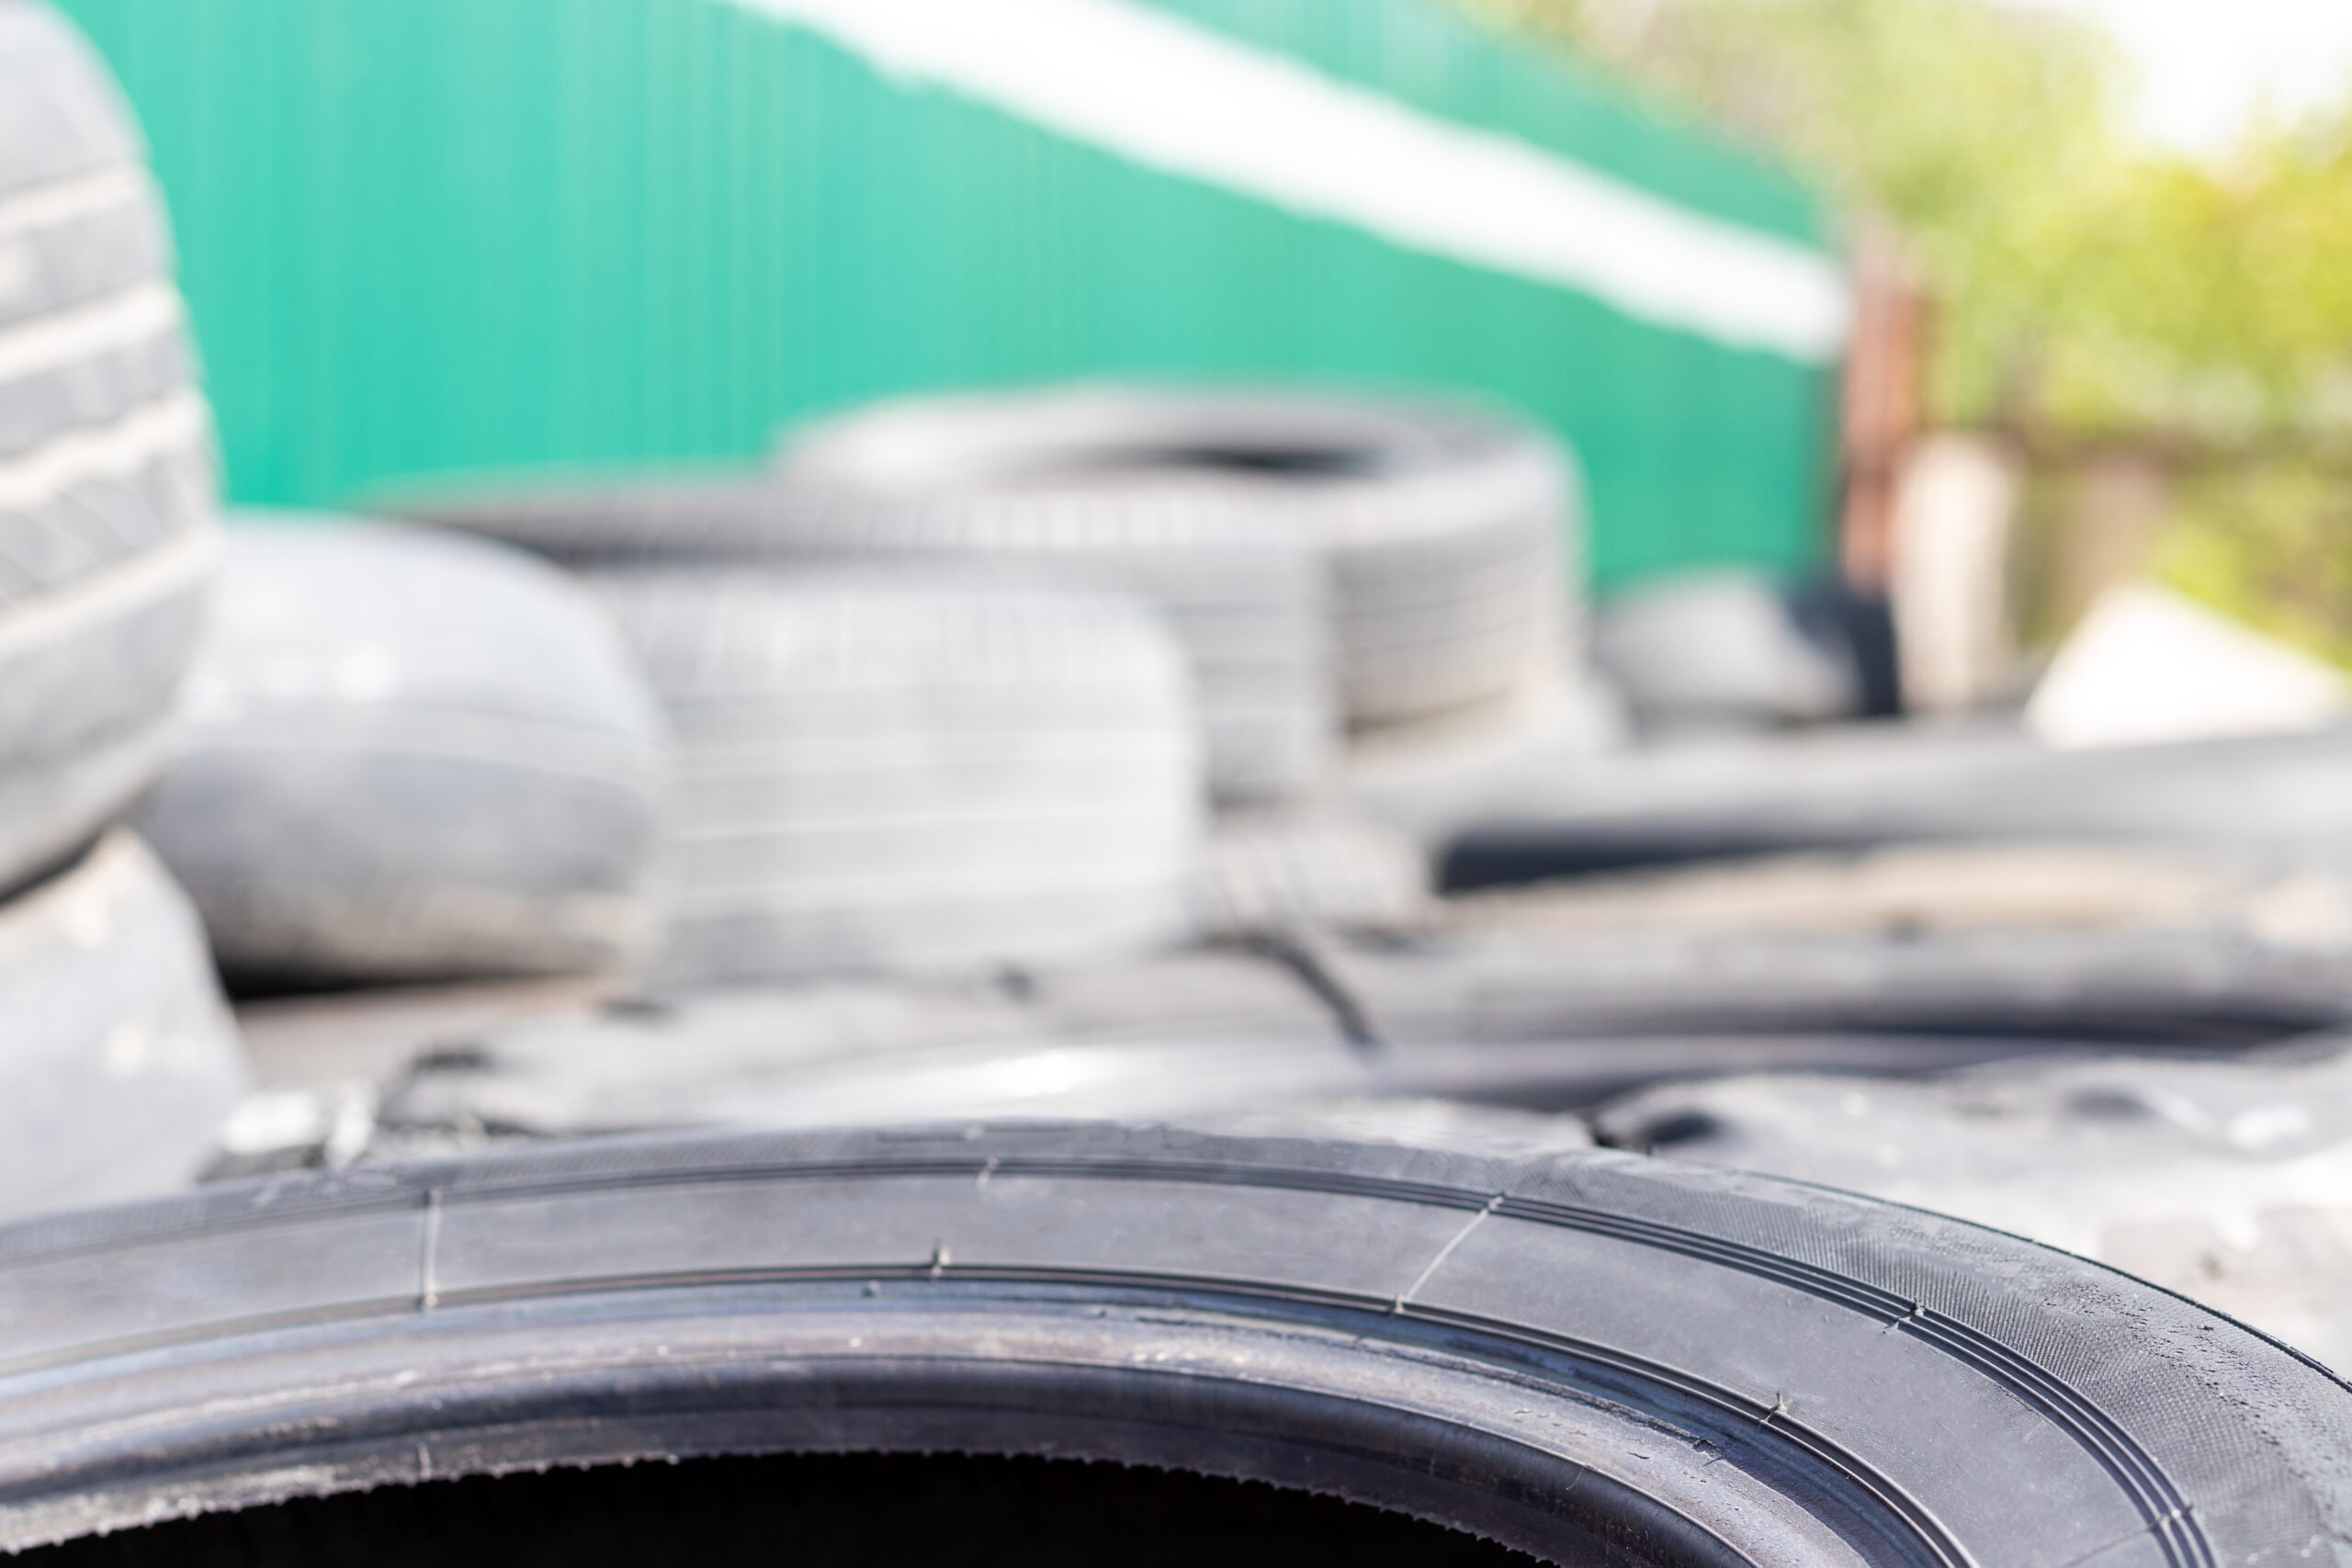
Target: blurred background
{"x":1694,"y":572}
{"x":446,"y":237}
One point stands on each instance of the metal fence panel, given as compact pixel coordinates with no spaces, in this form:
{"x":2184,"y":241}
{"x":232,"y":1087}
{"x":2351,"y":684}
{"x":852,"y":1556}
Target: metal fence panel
{"x":426,"y":238}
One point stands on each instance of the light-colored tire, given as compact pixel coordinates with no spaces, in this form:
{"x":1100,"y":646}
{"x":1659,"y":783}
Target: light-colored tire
{"x":1450,"y":540}
{"x":1245,"y":597}
{"x":881,"y":772}
{"x":408,"y":757}
{"x":107,"y":482}
{"x":118,"y":1059}
{"x":59,"y":113}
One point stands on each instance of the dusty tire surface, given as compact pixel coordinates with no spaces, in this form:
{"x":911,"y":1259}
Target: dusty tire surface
{"x":2277,"y":801}
{"x":1450,"y":539}
{"x":2055,"y":987}
{"x":1591,"y":1356}
{"x":928,"y":772}
{"x":1246,"y":599}
{"x":410,"y":756}
{"x":1317,"y":868}
{"x":117,"y":1059}
{"x":107,"y":482}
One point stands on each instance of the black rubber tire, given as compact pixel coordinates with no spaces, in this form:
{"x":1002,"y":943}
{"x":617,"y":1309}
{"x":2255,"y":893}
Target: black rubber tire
{"x":2202,"y":1177}
{"x":1594,"y":1357}
{"x":1187,"y":1033}
{"x":118,"y":1062}
{"x":933,"y":771}
{"x":411,"y":757}
{"x":107,"y":483}
{"x":2181,"y":986}
{"x":1181,"y":1035}
{"x":2277,"y":801}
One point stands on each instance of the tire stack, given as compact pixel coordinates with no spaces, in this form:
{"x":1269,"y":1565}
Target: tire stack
{"x":1337,"y":572}
{"x":1440,"y":539}
{"x":117,"y":1058}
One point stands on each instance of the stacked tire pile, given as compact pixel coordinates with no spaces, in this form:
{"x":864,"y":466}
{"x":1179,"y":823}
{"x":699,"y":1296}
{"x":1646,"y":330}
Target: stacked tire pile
{"x":1329,"y":570}
{"x":1434,"y":589}
{"x":349,"y":755}
{"x":118,"y":1059}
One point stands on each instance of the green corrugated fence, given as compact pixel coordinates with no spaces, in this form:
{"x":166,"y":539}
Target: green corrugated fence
{"x":424,"y":238}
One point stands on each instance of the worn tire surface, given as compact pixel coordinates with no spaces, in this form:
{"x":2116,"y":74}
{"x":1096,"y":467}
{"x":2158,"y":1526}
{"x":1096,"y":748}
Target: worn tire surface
{"x":2278,"y":800}
{"x":107,"y":485}
{"x":1443,"y":532}
{"x":2055,"y":987}
{"x":118,"y":1059}
{"x":408,"y":757}
{"x":1246,"y":599}
{"x":1596,"y":1357}
{"x":885,"y":771}
{"x":2223,"y":1181}
{"x":1318,"y":868}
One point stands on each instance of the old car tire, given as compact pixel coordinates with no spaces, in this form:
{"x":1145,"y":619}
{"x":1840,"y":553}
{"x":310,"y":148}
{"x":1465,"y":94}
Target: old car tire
{"x":118,"y":1059}
{"x":107,"y":484}
{"x":1246,"y":600}
{"x":408,"y":757}
{"x":1449,"y":538}
{"x":1590,"y":1356}
{"x":927,"y":772}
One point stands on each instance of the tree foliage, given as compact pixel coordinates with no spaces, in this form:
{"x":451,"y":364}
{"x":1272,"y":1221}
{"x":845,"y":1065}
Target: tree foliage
{"x":2085,"y":283}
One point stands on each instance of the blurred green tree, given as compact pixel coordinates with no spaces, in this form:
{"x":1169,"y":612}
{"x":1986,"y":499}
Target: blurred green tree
{"x":2089,"y":287}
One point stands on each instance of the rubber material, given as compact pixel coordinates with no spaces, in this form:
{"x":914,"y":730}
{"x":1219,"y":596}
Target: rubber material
{"x":410,"y":756}
{"x":1591,"y":1356}
{"x":2157,"y":987}
{"x":1322,"y":868}
{"x":2225,"y":1181}
{"x":77,"y":384}
{"x":1448,"y":537}
{"x":1721,"y":648}
{"x":73,"y":242}
{"x":2275,"y":800}
{"x":118,"y":1059}
{"x":107,"y":482}
{"x":1187,"y":1034}
{"x":940,"y":771}
{"x":1246,"y":599}
{"x":59,"y":113}
{"x":90,"y":665}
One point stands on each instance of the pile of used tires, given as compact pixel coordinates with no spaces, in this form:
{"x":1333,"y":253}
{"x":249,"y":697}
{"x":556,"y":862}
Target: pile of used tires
{"x":917,"y":724}
{"x":985,"y":861}
{"x":119,"y":1058}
